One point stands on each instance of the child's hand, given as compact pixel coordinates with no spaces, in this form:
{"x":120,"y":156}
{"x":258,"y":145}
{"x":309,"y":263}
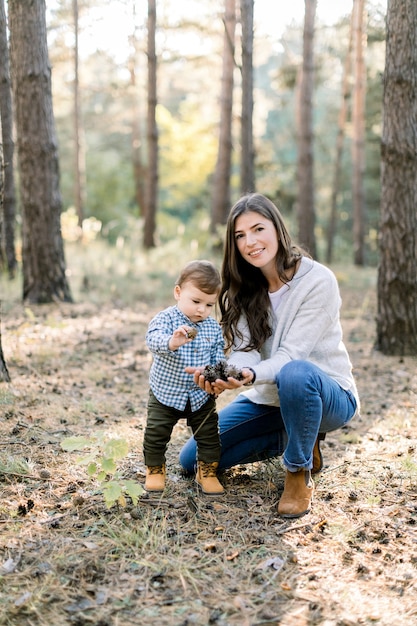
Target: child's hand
{"x":181,"y":336}
{"x":217,"y":386}
{"x":200,"y":380}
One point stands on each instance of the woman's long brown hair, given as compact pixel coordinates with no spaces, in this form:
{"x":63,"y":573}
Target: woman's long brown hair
{"x":244,"y":288}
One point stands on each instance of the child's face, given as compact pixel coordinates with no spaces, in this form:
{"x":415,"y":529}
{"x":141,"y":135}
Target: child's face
{"x":195,"y":304}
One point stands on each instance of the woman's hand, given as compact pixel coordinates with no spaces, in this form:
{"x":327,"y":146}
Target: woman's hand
{"x":220,"y":385}
{"x":200,"y":380}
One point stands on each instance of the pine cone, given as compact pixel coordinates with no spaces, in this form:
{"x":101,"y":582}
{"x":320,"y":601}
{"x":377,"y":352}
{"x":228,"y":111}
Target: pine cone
{"x":221,"y":370}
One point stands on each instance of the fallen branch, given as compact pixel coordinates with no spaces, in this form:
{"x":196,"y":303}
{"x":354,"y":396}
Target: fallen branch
{"x":299,"y":526}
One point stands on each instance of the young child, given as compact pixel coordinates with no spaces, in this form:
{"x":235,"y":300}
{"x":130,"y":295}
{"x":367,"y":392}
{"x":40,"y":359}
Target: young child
{"x":184,"y":335}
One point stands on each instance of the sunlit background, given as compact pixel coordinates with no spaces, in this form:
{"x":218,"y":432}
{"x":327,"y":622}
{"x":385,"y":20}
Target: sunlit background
{"x":112,"y":38}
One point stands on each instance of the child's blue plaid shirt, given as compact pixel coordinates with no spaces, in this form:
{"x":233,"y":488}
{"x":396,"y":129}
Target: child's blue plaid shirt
{"x":170,"y":384}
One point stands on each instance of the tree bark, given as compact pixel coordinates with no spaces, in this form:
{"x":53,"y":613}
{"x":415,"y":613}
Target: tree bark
{"x":340,"y":139}
{"x":220,"y":199}
{"x":2,"y":255}
{"x":397,"y":271}
{"x":79,"y":156}
{"x":247,"y":171}
{"x":305,"y":162}
{"x":152,"y":134}
{"x":139,"y":170}
{"x":44,"y":278}
{"x":4,"y":372}
{"x":358,"y":124}
{"x":7,"y":234}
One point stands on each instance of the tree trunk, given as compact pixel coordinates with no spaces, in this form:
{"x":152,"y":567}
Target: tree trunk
{"x":4,"y":372}
{"x":358,"y":125}
{"x":139,"y":170}
{"x":152,"y":131}
{"x":2,"y":254}
{"x":220,"y":200}
{"x":247,"y":172}
{"x":79,"y":157}
{"x":397,"y":271}
{"x":341,"y":129}
{"x":7,"y":234}
{"x":44,"y":278}
{"x":305,"y":161}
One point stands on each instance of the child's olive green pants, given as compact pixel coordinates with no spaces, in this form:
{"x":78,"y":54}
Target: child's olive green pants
{"x":161,"y":421}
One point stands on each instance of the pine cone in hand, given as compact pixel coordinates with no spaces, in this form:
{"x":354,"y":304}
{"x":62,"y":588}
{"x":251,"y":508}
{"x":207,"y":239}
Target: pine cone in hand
{"x":192,"y":333}
{"x":221,"y":370}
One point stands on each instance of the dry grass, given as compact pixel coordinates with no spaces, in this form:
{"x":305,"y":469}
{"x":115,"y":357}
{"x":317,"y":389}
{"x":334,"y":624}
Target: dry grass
{"x":182,"y":559}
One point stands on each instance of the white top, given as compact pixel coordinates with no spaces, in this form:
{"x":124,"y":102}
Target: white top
{"x":277,"y":297}
{"x":307,"y":327}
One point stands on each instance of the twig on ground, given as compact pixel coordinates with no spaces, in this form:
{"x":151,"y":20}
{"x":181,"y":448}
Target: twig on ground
{"x":299,"y":526}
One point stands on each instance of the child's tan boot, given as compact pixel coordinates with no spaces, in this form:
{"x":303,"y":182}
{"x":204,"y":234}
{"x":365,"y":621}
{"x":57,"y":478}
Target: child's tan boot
{"x":155,"y":478}
{"x":207,"y":480}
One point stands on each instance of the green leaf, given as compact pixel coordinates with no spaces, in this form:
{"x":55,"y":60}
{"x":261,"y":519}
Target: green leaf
{"x":108,"y":465}
{"x":116,"y":449}
{"x":75,"y":443}
{"x":111,"y":492}
{"x":86,"y":460}
{"x":133,"y":489}
{"x":92,"y":469}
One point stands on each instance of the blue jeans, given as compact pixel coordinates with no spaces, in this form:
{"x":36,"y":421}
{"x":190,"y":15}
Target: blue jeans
{"x":311,"y":402}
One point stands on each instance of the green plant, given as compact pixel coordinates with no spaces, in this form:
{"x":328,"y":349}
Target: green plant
{"x":409,"y":465}
{"x":14,"y":465}
{"x":101,"y":463}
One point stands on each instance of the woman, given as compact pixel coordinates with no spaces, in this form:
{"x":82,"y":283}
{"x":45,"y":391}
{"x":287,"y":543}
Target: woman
{"x":280,"y":318}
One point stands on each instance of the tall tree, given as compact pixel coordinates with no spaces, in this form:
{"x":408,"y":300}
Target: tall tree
{"x":137,"y":157}
{"x":306,"y":215}
{"x":79,"y":155}
{"x":220,"y":199}
{"x":152,"y":178}
{"x":4,"y":372}
{"x":44,"y":278}
{"x":7,"y":232}
{"x":247,"y":171}
{"x":1,"y":207}
{"x":358,"y":126}
{"x":397,"y":271}
{"x":340,"y":140}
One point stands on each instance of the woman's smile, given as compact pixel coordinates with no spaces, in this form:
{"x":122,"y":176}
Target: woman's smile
{"x":256,"y":252}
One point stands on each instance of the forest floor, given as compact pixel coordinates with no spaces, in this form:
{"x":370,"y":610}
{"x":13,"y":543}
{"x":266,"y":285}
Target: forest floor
{"x":181,"y":559}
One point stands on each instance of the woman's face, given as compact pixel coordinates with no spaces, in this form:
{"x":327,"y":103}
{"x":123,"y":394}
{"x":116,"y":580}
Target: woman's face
{"x":257,"y":240}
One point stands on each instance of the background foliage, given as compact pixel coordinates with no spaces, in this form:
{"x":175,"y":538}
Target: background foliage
{"x":189,"y":67}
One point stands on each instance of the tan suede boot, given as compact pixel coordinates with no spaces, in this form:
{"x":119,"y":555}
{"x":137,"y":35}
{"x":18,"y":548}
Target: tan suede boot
{"x":155,"y":478}
{"x":207,"y":480}
{"x":297,"y":495}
